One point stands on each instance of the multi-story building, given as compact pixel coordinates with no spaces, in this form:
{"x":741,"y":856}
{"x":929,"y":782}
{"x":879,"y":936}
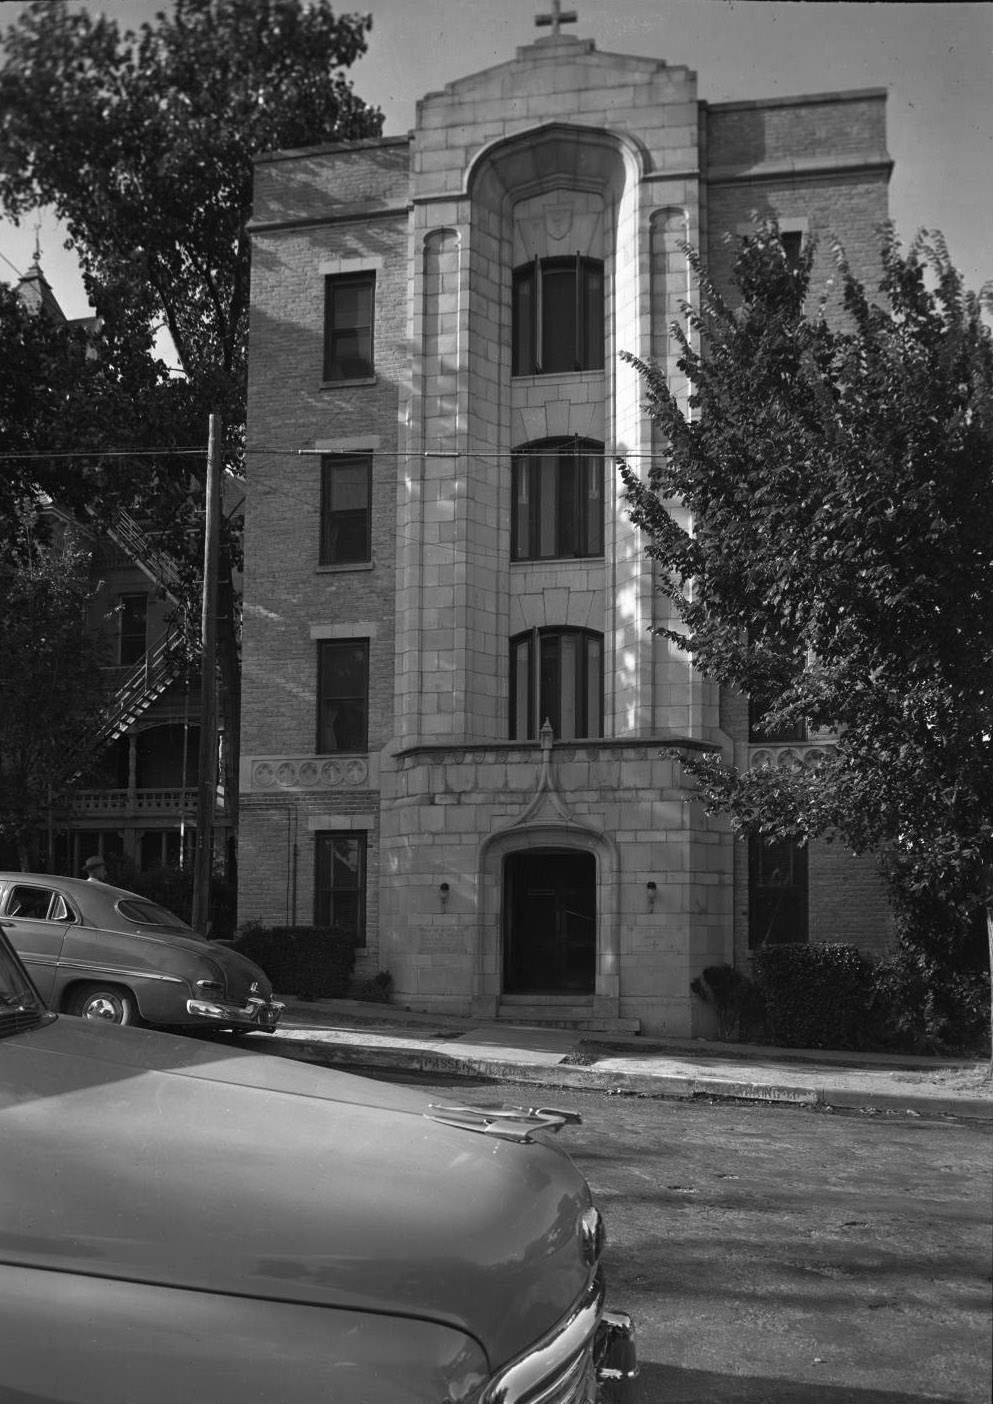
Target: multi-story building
{"x":453,"y":698}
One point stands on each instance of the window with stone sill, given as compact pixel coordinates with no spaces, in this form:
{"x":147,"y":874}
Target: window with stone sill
{"x":342,"y":695}
{"x":346,"y":515}
{"x":792,"y":242}
{"x":778,"y":892}
{"x":556,"y":675}
{"x":340,"y":883}
{"x":349,"y":313}
{"x":557,"y":500}
{"x":558,"y":317}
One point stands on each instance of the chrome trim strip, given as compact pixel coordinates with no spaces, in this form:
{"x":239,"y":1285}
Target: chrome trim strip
{"x":118,"y":972}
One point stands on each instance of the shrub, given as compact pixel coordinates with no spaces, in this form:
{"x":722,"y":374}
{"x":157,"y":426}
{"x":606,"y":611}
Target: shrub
{"x":919,"y":1005}
{"x":311,"y":962}
{"x":733,"y":997}
{"x":378,"y":990}
{"x":814,"y":996}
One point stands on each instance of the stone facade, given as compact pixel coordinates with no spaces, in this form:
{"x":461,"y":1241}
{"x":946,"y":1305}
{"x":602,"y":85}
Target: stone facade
{"x":564,"y":153}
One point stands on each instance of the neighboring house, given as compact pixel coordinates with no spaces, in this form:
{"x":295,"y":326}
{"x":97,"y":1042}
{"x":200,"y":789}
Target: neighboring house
{"x":141,"y":805}
{"x":453,"y":704}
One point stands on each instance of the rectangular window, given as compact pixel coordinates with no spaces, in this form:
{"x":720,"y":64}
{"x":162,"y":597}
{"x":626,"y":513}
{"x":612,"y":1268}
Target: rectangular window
{"x":133,"y":635}
{"x":558,"y":316}
{"x":757,"y":731}
{"x":792,"y":242}
{"x":556,"y":675}
{"x":349,"y":305}
{"x":346,"y":517}
{"x":339,"y":883}
{"x":557,"y":501}
{"x":342,"y":695}
{"x":777,"y":892}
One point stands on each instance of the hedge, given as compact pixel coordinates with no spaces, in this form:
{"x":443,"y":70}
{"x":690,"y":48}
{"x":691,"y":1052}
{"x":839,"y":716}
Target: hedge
{"x":814,"y":996}
{"x":311,"y":962}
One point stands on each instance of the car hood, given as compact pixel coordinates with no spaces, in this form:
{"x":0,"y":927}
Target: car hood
{"x":145,"y":1156}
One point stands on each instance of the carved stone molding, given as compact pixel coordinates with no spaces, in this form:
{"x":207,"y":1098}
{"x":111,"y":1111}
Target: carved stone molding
{"x":317,"y":773}
{"x":790,"y":755}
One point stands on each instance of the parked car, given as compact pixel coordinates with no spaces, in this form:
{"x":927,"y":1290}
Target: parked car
{"x":104,"y":953}
{"x":182,"y":1220}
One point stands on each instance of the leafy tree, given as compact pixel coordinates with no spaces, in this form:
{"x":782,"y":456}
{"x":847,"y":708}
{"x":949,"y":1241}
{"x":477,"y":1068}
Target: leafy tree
{"x":143,"y":143}
{"x":52,"y":694}
{"x":840,"y":566}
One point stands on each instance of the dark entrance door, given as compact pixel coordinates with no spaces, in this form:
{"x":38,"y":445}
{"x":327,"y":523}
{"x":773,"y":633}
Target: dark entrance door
{"x":549,"y":907}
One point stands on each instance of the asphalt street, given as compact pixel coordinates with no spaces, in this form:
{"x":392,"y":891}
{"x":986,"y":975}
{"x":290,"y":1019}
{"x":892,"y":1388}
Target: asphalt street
{"x":785,"y":1255}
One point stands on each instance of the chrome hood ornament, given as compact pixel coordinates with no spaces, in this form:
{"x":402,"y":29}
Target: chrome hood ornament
{"x":507,"y":1123}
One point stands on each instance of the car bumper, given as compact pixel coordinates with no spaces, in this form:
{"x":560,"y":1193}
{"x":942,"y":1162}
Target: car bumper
{"x":616,"y":1359}
{"x":588,"y":1358}
{"x":261,"y":1014}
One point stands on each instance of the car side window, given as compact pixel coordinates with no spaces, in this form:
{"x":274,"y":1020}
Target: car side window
{"x":61,"y":910}
{"x":30,"y":903}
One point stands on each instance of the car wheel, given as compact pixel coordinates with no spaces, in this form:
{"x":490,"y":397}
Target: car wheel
{"x":109,"y":1002}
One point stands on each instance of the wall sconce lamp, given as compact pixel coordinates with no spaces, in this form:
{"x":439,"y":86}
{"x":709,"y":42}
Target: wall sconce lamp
{"x":443,"y":891}
{"x":651,"y":889}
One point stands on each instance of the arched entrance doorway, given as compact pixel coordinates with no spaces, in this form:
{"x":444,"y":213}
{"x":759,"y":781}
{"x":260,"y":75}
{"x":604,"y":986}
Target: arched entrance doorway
{"x":549,"y":921}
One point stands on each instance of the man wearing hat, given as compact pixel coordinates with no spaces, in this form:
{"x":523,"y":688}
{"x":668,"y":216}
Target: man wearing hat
{"x":96,"y":869}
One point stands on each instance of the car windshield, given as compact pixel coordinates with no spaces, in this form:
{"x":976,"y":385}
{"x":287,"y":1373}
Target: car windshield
{"x":144,"y":913}
{"x":21,"y":1006}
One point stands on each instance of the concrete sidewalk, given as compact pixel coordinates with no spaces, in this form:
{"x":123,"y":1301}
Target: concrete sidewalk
{"x":346,"y":1032}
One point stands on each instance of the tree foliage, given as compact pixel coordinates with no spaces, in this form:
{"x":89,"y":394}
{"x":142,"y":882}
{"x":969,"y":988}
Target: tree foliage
{"x":143,"y":145}
{"x":839,"y":479}
{"x":52,"y":693}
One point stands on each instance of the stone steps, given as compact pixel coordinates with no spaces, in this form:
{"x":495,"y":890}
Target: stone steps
{"x":561,"y":1012}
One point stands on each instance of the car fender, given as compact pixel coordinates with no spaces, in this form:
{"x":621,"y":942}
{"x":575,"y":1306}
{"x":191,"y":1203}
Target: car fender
{"x":209,"y":1345}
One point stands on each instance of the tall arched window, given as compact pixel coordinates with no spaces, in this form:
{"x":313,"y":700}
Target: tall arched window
{"x":558,"y":316}
{"x":557,"y":500}
{"x":556,"y":675}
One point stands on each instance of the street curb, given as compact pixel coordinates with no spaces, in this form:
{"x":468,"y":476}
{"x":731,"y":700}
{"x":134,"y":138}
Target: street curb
{"x":663,"y":1087}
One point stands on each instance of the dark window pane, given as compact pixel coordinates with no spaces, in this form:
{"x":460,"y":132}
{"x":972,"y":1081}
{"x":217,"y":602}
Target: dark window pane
{"x":348,"y":327}
{"x":557,"y":501}
{"x":777,"y":892}
{"x":520,"y":546}
{"x":592,"y":488}
{"x":342,"y":696}
{"x":591,"y":349}
{"x":558,"y":319}
{"x":550,"y":682}
{"x":567,"y":514}
{"x":792,"y":242}
{"x":560,"y":326}
{"x":521,"y":726}
{"x":339,"y":886}
{"x":523,"y":322}
{"x":345,"y":510}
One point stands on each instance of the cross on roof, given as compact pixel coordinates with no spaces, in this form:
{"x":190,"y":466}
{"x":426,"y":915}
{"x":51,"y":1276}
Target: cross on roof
{"x":557,"y":17}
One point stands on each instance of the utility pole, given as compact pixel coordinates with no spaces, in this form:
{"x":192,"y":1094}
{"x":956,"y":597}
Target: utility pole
{"x":207,"y":770}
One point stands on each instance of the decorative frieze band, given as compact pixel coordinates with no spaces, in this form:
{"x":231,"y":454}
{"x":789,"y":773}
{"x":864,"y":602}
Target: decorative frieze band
{"x":791,"y":756}
{"x":311,"y":773}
